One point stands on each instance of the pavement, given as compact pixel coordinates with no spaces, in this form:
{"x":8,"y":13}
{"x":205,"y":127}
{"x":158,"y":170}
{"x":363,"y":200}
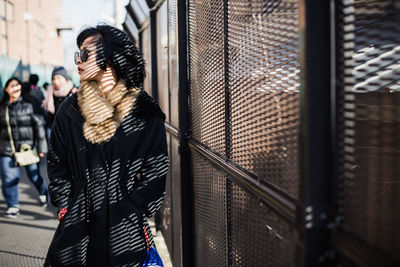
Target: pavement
{"x":24,"y":241}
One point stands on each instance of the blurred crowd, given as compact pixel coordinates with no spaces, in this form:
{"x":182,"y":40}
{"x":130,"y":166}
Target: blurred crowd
{"x":27,"y":112}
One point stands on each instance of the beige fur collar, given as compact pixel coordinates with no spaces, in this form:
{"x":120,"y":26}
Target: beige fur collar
{"x":103,"y":113}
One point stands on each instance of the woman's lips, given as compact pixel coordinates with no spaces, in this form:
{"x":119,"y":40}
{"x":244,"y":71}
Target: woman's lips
{"x":80,"y":70}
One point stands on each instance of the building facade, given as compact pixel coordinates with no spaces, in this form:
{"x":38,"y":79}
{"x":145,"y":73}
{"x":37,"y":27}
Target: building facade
{"x":29,"y":36}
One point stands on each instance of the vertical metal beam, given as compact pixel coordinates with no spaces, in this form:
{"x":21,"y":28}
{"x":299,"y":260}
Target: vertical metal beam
{"x":153,"y":41}
{"x":315,"y":128}
{"x":185,"y":134}
{"x":228,"y":140}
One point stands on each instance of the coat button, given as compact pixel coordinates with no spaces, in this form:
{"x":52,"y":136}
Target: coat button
{"x":103,"y":184}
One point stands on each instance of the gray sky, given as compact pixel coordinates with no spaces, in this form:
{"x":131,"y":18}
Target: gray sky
{"x":81,"y":13}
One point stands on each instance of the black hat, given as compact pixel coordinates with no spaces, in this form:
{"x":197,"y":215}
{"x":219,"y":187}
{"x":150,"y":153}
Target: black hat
{"x":60,"y":71}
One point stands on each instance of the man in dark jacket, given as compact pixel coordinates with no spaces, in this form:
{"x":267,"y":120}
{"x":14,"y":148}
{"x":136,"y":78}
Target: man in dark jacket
{"x":108,"y":157}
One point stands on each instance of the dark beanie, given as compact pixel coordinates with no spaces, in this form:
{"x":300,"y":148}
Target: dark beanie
{"x":60,"y":71}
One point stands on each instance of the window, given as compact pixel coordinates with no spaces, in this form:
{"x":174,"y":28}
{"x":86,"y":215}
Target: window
{"x":3,"y":27}
{"x":2,"y":9}
{"x":38,"y":31}
{"x":10,"y":12}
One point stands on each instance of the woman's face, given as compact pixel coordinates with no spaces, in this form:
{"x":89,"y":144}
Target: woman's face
{"x":14,"y":90}
{"x":89,"y":70}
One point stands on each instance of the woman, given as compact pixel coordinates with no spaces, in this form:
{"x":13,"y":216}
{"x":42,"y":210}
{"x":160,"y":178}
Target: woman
{"x":26,"y":128}
{"x":108,"y":157}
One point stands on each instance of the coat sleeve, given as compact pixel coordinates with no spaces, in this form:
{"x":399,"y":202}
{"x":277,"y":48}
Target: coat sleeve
{"x":40,"y":133}
{"x":149,"y":193}
{"x":58,"y":167}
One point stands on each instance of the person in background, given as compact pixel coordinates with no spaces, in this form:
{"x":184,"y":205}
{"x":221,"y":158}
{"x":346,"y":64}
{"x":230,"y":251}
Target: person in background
{"x":108,"y":157}
{"x":26,"y":128}
{"x":26,"y":93}
{"x":61,"y":88}
{"x":45,"y":85}
{"x":35,"y":90}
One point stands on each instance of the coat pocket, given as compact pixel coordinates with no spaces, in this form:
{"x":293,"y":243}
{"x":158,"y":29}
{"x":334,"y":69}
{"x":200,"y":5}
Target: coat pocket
{"x":126,"y":231}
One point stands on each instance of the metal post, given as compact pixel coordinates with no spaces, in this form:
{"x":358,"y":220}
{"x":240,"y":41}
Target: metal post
{"x":153,"y":38}
{"x":315,"y":129}
{"x":184,"y":134}
{"x":227,"y":137}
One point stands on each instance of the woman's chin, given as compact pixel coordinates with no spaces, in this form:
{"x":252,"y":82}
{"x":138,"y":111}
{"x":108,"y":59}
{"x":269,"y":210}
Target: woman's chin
{"x":86,"y":78}
{"x":83,"y":77}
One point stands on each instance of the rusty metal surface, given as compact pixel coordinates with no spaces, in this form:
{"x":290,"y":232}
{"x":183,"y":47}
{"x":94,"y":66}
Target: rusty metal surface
{"x":264,"y":89}
{"x":369,"y":126}
{"x":210,"y":211}
{"x":264,"y":239}
{"x":207,"y":74}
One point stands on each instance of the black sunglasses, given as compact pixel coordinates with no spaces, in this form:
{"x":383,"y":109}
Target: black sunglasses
{"x":84,"y":54}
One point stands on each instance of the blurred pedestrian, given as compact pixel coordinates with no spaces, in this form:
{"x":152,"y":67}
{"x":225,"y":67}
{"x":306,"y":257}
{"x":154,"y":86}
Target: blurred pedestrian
{"x":27,"y":95}
{"x":26,"y":129}
{"x":108,"y":157}
{"x":62,"y":87}
{"x":45,"y":85}
{"x":35,"y":90}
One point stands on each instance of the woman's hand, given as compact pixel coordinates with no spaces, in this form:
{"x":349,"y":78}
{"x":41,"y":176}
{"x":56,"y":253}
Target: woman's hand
{"x":41,"y":155}
{"x":61,"y":213}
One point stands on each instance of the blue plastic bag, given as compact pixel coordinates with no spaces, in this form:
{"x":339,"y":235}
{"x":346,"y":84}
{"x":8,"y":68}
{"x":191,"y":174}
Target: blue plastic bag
{"x":152,"y":257}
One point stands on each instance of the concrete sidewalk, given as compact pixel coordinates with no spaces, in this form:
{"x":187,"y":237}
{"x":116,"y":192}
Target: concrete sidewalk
{"x":24,"y":241}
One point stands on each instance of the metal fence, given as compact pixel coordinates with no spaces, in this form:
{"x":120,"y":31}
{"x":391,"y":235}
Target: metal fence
{"x":282,"y":126}
{"x":368,"y":71}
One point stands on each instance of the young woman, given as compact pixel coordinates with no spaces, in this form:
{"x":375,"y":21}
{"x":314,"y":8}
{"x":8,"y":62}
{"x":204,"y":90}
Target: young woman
{"x":108,"y":157}
{"x":26,"y":128}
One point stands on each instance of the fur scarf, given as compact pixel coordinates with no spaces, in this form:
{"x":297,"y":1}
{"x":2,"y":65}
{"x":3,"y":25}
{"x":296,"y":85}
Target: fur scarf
{"x":103,"y":113}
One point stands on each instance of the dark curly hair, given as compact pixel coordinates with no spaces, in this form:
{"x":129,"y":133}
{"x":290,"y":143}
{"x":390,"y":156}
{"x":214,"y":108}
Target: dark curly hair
{"x":115,"y":49}
{"x":6,"y":97}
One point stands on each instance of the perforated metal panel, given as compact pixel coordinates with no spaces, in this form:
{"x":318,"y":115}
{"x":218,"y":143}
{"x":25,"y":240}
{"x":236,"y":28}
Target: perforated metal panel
{"x":264,"y":85}
{"x":176,"y":224}
{"x":368,"y":85}
{"x":173,"y":61}
{"x":146,"y":49}
{"x":207,"y":75}
{"x":262,"y":238}
{"x":168,"y":100}
{"x":162,"y":59}
{"x":252,"y":45}
{"x":209,"y":214}
{"x":167,"y":206}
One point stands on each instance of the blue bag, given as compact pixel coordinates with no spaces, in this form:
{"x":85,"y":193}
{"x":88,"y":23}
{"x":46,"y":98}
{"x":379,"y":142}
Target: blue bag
{"x":152,"y":257}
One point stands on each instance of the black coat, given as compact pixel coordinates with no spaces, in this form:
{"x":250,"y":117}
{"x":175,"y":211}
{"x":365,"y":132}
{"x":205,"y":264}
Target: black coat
{"x":109,"y":189}
{"x":26,"y":127}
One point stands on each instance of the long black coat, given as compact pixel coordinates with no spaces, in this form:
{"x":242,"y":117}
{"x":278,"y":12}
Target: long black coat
{"x":109,"y":189}
{"x":26,"y":127}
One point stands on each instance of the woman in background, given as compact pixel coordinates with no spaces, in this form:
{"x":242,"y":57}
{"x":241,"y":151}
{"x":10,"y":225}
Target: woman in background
{"x":26,"y":128}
